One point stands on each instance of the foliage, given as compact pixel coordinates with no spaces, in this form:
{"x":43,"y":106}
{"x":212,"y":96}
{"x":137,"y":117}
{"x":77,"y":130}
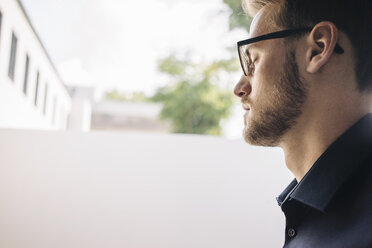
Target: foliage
{"x":173,"y":66}
{"x":193,"y":103}
{"x":133,"y":97}
{"x":238,"y":18}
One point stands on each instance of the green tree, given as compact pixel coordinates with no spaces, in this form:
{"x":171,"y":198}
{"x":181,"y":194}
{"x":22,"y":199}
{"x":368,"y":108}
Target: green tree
{"x":194,"y":103}
{"x":132,"y":97}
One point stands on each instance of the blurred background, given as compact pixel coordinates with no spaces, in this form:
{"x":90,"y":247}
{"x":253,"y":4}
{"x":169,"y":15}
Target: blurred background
{"x":119,"y":128}
{"x":153,"y":65}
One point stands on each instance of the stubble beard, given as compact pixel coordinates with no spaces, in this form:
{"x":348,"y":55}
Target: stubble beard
{"x":273,"y":120}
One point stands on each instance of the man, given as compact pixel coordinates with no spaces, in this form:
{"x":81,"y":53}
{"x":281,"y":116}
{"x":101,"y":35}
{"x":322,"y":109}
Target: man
{"x":307,"y":88}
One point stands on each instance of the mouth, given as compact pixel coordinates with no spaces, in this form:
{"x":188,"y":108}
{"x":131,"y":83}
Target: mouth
{"x":246,"y":107}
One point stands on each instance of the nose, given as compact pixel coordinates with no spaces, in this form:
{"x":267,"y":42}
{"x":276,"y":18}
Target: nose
{"x":243,"y":87}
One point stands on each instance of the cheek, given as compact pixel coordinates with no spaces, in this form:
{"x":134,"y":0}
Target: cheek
{"x":264,"y":85}
{"x":262,"y":82}
{"x":258,"y":87}
{"x":258,"y":81}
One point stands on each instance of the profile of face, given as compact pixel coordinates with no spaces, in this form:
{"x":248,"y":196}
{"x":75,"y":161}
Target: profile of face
{"x":274,"y":94}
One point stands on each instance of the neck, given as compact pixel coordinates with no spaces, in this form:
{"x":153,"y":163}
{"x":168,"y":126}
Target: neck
{"x":315,"y":132}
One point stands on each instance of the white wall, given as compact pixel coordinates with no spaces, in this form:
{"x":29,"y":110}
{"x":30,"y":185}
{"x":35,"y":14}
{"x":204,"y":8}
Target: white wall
{"x":16,"y":109}
{"x":106,"y":189}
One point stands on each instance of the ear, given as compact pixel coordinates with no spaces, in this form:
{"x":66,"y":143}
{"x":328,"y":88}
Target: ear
{"x":321,"y":44}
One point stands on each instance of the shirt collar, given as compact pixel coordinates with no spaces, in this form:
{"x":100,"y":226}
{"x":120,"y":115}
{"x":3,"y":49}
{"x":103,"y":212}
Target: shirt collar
{"x":333,"y":167}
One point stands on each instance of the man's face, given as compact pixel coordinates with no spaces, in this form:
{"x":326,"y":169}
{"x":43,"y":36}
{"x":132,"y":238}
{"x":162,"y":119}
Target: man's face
{"x":273,"y":95}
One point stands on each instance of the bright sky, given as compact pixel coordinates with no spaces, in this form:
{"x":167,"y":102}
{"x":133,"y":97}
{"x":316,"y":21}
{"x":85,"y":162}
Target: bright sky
{"x":116,"y":43}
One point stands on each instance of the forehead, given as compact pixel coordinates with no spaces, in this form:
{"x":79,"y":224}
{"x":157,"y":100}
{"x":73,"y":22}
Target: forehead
{"x":263,"y":22}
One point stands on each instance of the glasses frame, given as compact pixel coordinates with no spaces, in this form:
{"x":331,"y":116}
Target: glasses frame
{"x":276,"y":35}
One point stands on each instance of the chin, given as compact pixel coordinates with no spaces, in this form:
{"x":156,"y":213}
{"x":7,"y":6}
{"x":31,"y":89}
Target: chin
{"x":253,"y":135}
{"x":261,"y":141}
{"x":248,"y":134}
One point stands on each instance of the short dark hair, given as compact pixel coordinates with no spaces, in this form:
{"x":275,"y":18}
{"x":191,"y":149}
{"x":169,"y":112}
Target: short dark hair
{"x":354,"y":18}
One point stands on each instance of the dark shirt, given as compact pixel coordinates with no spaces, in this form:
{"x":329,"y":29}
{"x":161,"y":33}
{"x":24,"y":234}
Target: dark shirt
{"x":332,"y":205}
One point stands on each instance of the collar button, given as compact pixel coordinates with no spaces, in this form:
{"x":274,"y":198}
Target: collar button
{"x":291,"y":232}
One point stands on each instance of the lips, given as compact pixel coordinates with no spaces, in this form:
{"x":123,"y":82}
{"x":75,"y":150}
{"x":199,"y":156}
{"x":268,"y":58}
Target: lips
{"x":246,"y":107}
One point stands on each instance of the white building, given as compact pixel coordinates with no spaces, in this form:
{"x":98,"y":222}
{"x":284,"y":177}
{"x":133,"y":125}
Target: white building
{"x":81,"y":110}
{"x":32,"y":94}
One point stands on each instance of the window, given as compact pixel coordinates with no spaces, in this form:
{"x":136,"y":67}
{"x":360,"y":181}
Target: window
{"x":68,"y":118}
{"x":26,"y":75}
{"x":62,"y":118}
{"x":12,"y":60}
{"x":54,"y":110}
{"x":1,"y":17}
{"x":45,"y":98}
{"x":37,"y":87}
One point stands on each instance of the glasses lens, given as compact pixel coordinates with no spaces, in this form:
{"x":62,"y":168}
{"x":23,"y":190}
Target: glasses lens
{"x":245,"y":59}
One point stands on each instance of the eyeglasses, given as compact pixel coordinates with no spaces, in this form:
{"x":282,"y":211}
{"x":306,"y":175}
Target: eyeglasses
{"x":245,"y":58}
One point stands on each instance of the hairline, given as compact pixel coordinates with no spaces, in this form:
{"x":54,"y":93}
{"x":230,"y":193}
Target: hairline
{"x":252,"y":7}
